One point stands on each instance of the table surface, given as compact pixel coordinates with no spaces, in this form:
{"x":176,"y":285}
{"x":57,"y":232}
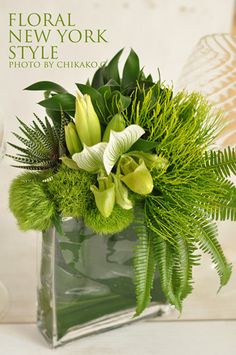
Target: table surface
{"x":144,"y":338}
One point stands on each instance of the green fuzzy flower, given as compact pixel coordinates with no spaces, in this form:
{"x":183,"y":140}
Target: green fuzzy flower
{"x":116,"y":222}
{"x":70,"y":190}
{"x":30,"y":202}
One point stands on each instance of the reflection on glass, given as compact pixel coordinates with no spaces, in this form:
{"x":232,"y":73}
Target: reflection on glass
{"x":86,"y":282}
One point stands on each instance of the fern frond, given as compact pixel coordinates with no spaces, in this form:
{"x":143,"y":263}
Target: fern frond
{"x":223,"y":207}
{"x":144,"y":264}
{"x":222,"y":162}
{"x":164,"y":256}
{"x":185,"y":259}
{"x":207,"y":239}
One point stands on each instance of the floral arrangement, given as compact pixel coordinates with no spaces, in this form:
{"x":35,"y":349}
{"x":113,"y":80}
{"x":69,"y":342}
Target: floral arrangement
{"x":128,"y":150}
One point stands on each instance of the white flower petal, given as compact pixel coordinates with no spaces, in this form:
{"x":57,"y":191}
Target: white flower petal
{"x":119,"y":143}
{"x":91,"y":158}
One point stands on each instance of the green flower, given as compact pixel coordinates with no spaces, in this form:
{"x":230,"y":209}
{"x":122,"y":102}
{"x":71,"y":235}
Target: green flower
{"x":104,"y":156}
{"x":104,"y":195}
{"x":116,"y":124}
{"x":86,"y":121}
{"x":136,"y":176}
{"x":121,"y":194}
{"x":72,"y":139}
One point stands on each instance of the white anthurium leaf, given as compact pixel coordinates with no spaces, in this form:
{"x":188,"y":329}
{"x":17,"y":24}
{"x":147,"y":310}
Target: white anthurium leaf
{"x":91,"y":158}
{"x":119,"y":143}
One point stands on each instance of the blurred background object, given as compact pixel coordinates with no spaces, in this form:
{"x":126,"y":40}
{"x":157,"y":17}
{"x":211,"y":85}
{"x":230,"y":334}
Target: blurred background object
{"x":211,"y":69}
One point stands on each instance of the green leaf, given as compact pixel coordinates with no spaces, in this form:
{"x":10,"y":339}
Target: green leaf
{"x":222,"y":206}
{"x":93,"y":93}
{"x":164,"y":256}
{"x":223,"y":163}
{"x":105,"y":91}
{"x":112,"y":83}
{"x":65,"y":102}
{"x":143,"y":145}
{"x":207,"y":237}
{"x":118,"y":102}
{"x":98,"y":78}
{"x":46,"y":86}
{"x":185,"y":260}
{"x":70,"y":163}
{"x":119,"y":143}
{"x":144,"y":264}
{"x":111,"y":70}
{"x":91,"y":158}
{"x":131,"y":70}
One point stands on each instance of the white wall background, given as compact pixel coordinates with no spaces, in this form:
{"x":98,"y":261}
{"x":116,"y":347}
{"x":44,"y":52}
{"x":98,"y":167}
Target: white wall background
{"x":163,"y":33}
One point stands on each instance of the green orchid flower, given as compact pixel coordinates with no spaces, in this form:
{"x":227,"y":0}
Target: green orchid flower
{"x":91,"y":158}
{"x":104,"y":156}
{"x":119,"y":143}
{"x":136,"y":175}
{"x":121,"y":194}
{"x":104,"y":195}
{"x":86,"y":121}
{"x":152,"y":161}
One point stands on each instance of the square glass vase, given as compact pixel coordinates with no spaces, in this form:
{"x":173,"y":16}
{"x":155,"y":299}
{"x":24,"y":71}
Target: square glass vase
{"x":86,"y":283}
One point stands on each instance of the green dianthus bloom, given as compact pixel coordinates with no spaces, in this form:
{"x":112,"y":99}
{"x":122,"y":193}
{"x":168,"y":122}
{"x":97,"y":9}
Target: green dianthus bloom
{"x":116,"y":222}
{"x":30,"y":202}
{"x":70,"y":189}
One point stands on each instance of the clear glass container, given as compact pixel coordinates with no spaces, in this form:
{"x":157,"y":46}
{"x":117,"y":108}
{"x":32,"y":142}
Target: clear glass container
{"x":86,"y":283}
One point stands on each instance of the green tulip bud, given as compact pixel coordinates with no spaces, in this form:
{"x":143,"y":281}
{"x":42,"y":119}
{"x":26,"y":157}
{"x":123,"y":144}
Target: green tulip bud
{"x":72,"y":139}
{"x":104,"y":196}
{"x":86,"y":121}
{"x":116,"y":124}
{"x":136,"y":176}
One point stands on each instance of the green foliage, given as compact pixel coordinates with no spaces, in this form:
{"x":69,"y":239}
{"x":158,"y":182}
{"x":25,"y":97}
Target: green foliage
{"x":223,"y":163}
{"x":192,"y":190}
{"x":190,"y":193}
{"x":144,"y":264}
{"x":30,"y":202}
{"x":164,"y":255}
{"x":43,"y":145}
{"x":70,"y":189}
{"x":117,"y":221}
{"x":207,"y":237}
{"x":110,"y":93}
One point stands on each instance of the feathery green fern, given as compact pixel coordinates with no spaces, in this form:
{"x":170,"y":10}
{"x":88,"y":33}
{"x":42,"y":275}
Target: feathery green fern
{"x":144,"y":263}
{"x":192,"y":191}
{"x":222,"y":162}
